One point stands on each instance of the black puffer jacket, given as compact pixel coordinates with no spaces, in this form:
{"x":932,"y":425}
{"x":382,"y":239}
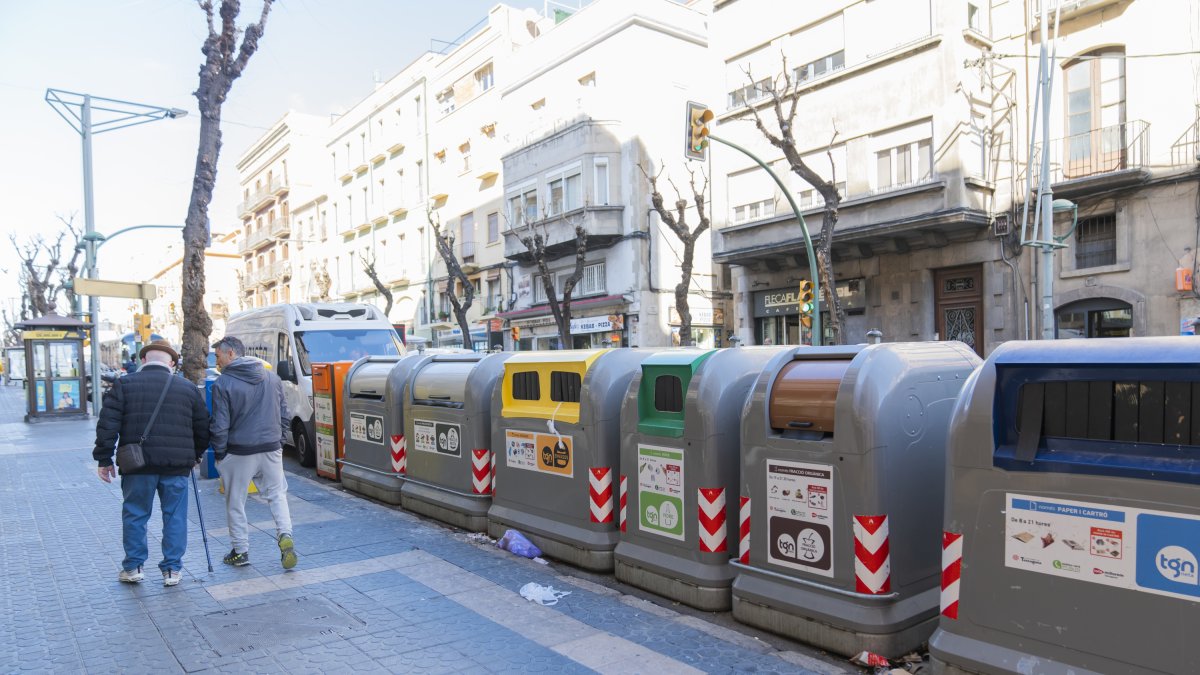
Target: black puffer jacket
{"x":179,"y":436}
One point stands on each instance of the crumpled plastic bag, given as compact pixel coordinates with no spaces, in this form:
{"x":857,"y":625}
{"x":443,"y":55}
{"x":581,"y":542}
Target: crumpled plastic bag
{"x":543,"y":595}
{"x":515,"y":542}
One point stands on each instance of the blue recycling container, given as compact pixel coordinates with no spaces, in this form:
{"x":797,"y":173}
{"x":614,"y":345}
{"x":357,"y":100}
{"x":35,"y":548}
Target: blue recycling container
{"x":210,"y":458}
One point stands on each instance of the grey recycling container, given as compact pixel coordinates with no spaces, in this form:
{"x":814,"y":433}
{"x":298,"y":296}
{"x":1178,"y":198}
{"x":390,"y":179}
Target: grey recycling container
{"x":842,"y":467}
{"x":557,"y":442}
{"x":1072,"y":520}
{"x":448,"y":421}
{"x":680,"y":435}
{"x":374,"y":389}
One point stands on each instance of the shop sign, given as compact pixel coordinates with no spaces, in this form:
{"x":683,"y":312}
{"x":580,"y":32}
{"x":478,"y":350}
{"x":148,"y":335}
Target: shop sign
{"x":702,"y":316}
{"x":851,"y":293}
{"x":598,"y":324}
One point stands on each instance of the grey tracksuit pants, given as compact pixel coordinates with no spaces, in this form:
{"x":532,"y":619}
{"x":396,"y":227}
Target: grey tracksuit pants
{"x":266,"y":469}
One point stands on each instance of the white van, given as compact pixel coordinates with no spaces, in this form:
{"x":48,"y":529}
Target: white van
{"x":291,"y":337}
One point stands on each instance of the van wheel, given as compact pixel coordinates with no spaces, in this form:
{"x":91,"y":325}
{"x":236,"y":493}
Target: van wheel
{"x":305,"y":450}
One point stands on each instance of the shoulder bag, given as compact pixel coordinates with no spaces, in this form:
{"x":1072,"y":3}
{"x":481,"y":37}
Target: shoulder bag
{"x":130,"y":456}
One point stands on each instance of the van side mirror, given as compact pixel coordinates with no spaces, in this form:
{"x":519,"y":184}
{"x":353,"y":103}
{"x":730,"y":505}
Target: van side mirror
{"x":284,"y":370}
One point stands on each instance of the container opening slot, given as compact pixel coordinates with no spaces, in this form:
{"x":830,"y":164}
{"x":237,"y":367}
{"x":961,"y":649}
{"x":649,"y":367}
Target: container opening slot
{"x":564,"y":386}
{"x":668,"y":394}
{"x":525,"y":386}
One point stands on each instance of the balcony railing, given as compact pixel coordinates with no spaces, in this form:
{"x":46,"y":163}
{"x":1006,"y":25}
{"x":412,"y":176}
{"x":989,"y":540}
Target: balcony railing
{"x":280,"y":227}
{"x":1185,"y":151}
{"x":1120,"y":147}
{"x":262,"y":196}
{"x":282,"y":269}
{"x":466,"y":251}
{"x":255,"y":239}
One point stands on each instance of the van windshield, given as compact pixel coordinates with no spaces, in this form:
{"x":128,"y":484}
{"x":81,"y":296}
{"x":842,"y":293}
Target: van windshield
{"x":324,"y":346}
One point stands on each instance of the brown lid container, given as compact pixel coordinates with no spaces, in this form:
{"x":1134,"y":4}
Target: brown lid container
{"x":804,"y":395}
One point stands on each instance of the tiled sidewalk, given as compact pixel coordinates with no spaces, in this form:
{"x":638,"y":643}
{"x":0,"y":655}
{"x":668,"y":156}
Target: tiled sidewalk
{"x":395,"y":593}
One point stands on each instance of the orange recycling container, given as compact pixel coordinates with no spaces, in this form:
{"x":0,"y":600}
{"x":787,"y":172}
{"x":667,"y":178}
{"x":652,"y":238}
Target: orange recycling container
{"x":329,"y":416}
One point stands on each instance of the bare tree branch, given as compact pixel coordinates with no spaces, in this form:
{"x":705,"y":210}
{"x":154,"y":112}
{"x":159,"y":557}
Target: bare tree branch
{"x":369,"y":268}
{"x":677,"y":223}
{"x":445,"y":246}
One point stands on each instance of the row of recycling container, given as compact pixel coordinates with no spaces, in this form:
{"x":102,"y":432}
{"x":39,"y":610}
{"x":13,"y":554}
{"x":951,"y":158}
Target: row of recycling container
{"x":1037,"y":512}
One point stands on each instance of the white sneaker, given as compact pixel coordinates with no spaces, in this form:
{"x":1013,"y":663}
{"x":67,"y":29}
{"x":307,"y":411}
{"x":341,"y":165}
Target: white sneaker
{"x":172,"y":577}
{"x":131,"y":576}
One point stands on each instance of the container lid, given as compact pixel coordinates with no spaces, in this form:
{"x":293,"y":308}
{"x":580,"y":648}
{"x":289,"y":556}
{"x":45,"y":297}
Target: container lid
{"x":442,"y":382}
{"x":546,"y":385}
{"x":804,"y":395}
{"x":666,"y":377}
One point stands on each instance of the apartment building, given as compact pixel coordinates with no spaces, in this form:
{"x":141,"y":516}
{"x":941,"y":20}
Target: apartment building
{"x":1123,"y":158}
{"x":592,"y":101}
{"x":918,"y":145}
{"x":924,"y":111}
{"x":222,"y":261}
{"x":421,"y":149}
{"x":278,"y":170}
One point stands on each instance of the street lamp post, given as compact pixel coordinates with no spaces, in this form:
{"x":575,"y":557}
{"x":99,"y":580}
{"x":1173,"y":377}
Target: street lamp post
{"x":77,"y":110}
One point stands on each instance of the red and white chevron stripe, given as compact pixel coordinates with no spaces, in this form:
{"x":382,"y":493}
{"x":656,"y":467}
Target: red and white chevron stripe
{"x":600,"y":494}
{"x":624,"y":488}
{"x":744,"y":531}
{"x":952,"y":546}
{"x":872,"y":555}
{"x":399,"y":454}
{"x":481,"y":471}
{"x":711,"y":512}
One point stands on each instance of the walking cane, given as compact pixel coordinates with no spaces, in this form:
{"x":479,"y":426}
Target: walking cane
{"x":200,"y":513}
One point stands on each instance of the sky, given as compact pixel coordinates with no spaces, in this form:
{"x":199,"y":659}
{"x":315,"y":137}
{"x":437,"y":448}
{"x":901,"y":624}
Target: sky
{"x":317,"y":56}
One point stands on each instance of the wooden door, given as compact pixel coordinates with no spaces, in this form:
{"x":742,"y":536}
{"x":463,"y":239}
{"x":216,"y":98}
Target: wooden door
{"x":958,"y":304}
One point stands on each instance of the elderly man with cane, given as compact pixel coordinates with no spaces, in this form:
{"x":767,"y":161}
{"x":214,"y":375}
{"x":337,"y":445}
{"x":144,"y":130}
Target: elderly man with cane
{"x":159,"y":425}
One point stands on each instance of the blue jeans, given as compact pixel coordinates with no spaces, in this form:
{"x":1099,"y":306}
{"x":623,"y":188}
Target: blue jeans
{"x":139,"y":490}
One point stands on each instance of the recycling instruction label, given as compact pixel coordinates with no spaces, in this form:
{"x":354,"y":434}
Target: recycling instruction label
{"x":323,"y":422}
{"x":800,"y":516}
{"x":544,"y":453}
{"x":366,"y":428}
{"x":660,"y":491}
{"x":1138,"y":549}
{"x":440,"y":437}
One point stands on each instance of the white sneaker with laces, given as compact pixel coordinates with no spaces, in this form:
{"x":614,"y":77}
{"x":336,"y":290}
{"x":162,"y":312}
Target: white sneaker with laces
{"x":131,"y":576}
{"x":172,"y":577}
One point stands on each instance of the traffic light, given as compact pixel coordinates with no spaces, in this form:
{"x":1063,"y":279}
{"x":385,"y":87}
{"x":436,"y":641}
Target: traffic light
{"x":806,"y":297}
{"x":698,"y":117}
{"x":516,"y":334}
{"x":143,"y":327}
{"x":806,"y":303}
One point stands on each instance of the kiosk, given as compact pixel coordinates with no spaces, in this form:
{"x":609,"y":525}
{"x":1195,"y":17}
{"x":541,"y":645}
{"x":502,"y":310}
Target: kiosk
{"x":55,"y":376}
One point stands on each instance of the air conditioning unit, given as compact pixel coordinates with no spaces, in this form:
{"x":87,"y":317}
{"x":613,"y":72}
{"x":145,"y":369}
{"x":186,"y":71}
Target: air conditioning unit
{"x":1000,"y":226}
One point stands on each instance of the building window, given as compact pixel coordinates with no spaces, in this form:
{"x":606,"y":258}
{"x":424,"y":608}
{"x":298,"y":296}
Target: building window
{"x":820,"y":67}
{"x":484,"y":78}
{"x":974,"y":17}
{"x":466,"y":239}
{"x":493,"y":223}
{"x":754,"y":211}
{"x":465,"y":151}
{"x":445,"y":101}
{"x":1095,"y":109}
{"x":810,"y":198}
{"x":904,"y":164}
{"x":750,"y":93}
{"x":593,"y":282}
{"x":601,"y":176}
{"x":565,"y":191}
{"x":1095,"y":318}
{"x":523,"y":207}
{"x":1096,"y":242}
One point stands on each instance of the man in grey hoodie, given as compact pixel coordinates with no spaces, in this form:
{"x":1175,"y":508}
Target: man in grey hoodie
{"x":249,"y":421}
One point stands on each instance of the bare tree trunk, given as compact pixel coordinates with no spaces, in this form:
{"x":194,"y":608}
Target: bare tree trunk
{"x":445,"y":247}
{"x":785,"y":140}
{"x":560,"y":310}
{"x":224,"y":61}
{"x":369,"y":268}
{"x":677,"y":222}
